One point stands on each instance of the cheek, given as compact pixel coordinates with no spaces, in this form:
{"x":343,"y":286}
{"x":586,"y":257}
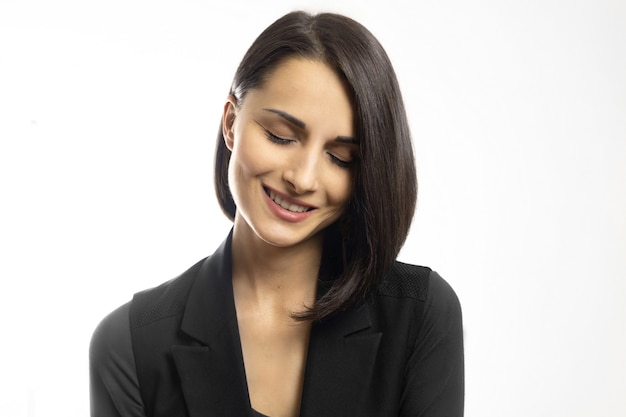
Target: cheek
{"x":253,"y":163}
{"x":251,"y":157}
{"x":340,"y":189}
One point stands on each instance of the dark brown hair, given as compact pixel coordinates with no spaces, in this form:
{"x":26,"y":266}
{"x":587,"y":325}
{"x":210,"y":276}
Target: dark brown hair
{"x":380,"y":211}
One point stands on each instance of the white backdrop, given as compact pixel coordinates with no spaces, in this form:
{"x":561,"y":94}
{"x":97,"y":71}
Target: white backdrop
{"x":108,"y":114}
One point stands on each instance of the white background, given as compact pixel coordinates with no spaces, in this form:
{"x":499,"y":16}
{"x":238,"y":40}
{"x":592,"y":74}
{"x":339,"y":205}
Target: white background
{"x":108,"y":116}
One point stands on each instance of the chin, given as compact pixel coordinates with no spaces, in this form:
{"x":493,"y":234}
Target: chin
{"x":282,"y":238}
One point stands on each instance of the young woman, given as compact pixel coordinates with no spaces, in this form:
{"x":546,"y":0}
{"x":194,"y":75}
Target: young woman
{"x":303,"y":310}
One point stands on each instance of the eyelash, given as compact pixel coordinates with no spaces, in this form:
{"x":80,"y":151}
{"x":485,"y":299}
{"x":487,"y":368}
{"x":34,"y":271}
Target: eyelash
{"x":282,"y":141}
{"x":340,"y":162}
{"x":277,"y":139}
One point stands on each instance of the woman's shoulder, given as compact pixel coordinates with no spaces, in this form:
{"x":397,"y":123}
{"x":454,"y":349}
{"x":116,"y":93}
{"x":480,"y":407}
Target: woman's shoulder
{"x":113,"y":380}
{"x":165,"y":300}
{"x":110,"y":335}
{"x":416,"y":301}
{"x":405,"y":281}
{"x":419,"y":283}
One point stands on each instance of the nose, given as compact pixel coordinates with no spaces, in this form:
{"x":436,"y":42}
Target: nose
{"x":302,"y":171}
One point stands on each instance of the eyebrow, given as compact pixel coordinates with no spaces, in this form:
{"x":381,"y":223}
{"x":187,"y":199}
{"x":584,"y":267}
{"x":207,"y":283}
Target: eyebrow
{"x":299,"y":123}
{"x":291,"y":119}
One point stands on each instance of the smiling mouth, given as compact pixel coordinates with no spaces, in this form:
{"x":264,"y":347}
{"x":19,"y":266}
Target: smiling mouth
{"x":296,"y":208}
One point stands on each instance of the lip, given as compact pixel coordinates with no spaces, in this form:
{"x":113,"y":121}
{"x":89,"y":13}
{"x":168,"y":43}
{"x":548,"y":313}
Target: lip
{"x":283,"y":213}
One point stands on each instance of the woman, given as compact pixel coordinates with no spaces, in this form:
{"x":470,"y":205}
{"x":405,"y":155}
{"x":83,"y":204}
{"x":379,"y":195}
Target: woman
{"x":303,"y":309}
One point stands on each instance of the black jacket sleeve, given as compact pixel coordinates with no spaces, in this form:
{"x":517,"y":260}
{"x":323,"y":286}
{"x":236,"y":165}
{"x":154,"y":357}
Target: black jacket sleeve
{"x":434,"y":385}
{"x":114,"y":390}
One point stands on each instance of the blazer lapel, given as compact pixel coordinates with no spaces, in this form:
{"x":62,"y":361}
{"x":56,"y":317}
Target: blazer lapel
{"x":341,"y":358}
{"x":211,"y":371}
{"x":341,"y":355}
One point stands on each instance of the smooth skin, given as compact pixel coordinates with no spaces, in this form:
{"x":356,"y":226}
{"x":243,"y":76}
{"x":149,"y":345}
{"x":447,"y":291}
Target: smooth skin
{"x":291,"y":174}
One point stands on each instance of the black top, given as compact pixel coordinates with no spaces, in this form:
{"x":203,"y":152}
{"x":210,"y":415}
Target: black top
{"x":175,"y":351}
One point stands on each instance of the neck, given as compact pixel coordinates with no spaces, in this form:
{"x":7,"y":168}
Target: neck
{"x":282,"y":276}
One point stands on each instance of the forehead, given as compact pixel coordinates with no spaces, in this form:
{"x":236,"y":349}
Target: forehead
{"x":308,"y":89}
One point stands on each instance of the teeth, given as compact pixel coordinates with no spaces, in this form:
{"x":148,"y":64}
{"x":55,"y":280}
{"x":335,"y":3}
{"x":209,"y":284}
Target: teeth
{"x":285,"y":204}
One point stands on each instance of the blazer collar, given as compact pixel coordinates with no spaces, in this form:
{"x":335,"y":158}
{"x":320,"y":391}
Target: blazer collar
{"x":210,"y":308}
{"x":340,"y":360}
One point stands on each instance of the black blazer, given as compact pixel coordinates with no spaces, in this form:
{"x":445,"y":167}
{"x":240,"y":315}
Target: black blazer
{"x":175,"y":351}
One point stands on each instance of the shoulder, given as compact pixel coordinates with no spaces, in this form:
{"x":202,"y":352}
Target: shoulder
{"x":437,"y":300}
{"x":163,"y":301}
{"x":405,"y":281}
{"x":419,"y":314}
{"x":415,"y":281}
{"x":417,"y":303}
{"x":111,"y":336}
{"x":114,"y":389}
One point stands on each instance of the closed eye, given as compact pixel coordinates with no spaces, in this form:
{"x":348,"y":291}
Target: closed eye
{"x":277,"y":139}
{"x":274,"y":138}
{"x":340,"y":162}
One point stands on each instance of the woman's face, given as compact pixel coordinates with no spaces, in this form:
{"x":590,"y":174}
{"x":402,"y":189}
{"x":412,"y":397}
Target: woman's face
{"x":293,"y":153}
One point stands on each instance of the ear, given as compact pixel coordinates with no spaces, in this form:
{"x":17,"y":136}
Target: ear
{"x":228,"y":122}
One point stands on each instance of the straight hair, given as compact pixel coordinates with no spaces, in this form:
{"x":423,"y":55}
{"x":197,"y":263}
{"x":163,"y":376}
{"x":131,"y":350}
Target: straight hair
{"x":378,"y":215}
